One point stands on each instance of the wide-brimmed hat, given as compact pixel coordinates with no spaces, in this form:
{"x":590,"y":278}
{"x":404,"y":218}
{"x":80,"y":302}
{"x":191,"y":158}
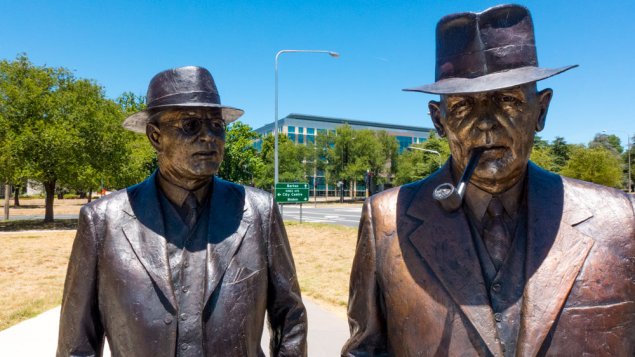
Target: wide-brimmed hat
{"x":490,"y":50}
{"x":181,"y":87}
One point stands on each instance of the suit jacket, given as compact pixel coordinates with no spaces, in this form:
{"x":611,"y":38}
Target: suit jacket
{"x":417,"y":288}
{"x":118,"y":282}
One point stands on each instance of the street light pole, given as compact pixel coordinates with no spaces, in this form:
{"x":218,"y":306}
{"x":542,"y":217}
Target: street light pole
{"x":426,"y":150}
{"x":275,"y":131}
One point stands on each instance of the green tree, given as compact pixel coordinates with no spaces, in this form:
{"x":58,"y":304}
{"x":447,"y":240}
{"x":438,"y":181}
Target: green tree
{"x":61,"y":129}
{"x":597,"y":164}
{"x":415,"y":164}
{"x":542,"y":156}
{"x":611,"y":142}
{"x":241,"y":157}
{"x":141,"y":159}
{"x":560,"y":152}
{"x":290,"y":162}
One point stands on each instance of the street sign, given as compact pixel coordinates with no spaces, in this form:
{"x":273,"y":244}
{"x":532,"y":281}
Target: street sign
{"x":292,"y":192}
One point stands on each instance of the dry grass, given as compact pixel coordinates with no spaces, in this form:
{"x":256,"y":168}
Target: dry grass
{"x":323,"y":255}
{"x":33,"y":267}
{"x":32,"y":271}
{"x":35,"y":206}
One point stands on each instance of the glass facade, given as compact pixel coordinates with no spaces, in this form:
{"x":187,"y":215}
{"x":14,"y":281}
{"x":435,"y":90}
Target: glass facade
{"x":404,"y":142}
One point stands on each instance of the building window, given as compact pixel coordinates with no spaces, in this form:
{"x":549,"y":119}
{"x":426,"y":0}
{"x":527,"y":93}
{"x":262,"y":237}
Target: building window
{"x":310,"y":135}
{"x":300,"y":130}
{"x":291,"y":129}
{"x":300,"y":139}
{"x":404,"y":142}
{"x":321,"y":131}
{"x":292,"y":137}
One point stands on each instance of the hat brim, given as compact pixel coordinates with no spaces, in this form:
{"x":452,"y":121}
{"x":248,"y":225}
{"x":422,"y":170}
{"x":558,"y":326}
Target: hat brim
{"x":137,"y":122}
{"x":490,"y":82}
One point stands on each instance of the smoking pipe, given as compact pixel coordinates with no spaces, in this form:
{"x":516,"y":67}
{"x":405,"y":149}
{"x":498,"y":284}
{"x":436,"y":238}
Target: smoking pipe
{"x":451,"y":197}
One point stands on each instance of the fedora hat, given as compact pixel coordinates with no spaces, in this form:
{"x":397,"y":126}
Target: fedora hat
{"x":181,"y":87}
{"x":490,"y":50}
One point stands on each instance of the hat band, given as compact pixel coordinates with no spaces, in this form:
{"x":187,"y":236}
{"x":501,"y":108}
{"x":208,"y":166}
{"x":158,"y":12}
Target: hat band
{"x":480,"y":63}
{"x":186,"y":99}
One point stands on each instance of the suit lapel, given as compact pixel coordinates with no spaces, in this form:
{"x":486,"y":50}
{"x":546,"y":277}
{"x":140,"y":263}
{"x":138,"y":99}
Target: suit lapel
{"x":145,"y":232}
{"x":230,"y":217}
{"x":445,"y":242}
{"x":556,"y":251}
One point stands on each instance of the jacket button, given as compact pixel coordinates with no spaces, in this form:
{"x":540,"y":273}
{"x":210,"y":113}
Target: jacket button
{"x":184,"y":289}
{"x":184,"y":347}
{"x":498,"y":317}
{"x":496,"y":287}
{"x":183,"y":317}
{"x":167,"y":319}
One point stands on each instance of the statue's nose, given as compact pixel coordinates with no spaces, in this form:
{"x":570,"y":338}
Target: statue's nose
{"x":486,"y":123}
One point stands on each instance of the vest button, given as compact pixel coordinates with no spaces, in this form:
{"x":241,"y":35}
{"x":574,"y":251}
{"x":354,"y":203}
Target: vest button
{"x":167,"y":319}
{"x":498,"y":317}
{"x":496,"y":287}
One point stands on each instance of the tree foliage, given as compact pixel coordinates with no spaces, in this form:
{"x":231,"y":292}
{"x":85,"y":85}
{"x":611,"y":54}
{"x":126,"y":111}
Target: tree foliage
{"x":422,"y":160}
{"x":241,"y":157}
{"x":595,"y":164}
{"x":56,"y":128}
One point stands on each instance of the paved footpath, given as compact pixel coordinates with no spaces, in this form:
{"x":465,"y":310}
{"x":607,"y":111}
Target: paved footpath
{"x":38,"y":336}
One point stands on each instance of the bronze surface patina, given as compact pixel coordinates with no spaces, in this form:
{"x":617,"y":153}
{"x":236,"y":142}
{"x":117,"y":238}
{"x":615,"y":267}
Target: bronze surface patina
{"x":528,"y":263}
{"x":184,"y":263}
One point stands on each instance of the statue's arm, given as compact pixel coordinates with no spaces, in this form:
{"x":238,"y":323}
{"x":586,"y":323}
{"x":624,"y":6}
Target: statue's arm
{"x":286,"y":312}
{"x":81,"y":332}
{"x":365,"y":314}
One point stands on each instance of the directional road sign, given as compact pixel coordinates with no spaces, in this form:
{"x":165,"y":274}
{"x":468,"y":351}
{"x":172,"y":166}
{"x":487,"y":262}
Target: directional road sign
{"x":292,"y":192}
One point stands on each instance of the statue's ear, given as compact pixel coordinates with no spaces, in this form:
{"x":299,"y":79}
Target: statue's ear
{"x":544,"y":98}
{"x":435,"y":114}
{"x":154,"y":135}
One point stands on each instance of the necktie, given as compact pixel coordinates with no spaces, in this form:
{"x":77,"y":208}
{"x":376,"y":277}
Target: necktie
{"x":495,"y":233}
{"x":191,"y":207}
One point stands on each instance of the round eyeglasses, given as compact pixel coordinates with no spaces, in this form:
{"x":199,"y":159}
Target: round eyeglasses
{"x":191,"y":126}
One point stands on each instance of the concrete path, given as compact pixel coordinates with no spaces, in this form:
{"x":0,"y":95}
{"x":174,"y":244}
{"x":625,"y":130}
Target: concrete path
{"x":38,"y":336}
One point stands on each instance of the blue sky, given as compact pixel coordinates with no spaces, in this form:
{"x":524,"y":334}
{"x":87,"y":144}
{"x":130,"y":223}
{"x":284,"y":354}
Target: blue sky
{"x":384,"y":45}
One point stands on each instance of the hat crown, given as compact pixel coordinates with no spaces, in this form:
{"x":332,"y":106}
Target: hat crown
{"x":471,"y":45}
{"x":182,"y":86}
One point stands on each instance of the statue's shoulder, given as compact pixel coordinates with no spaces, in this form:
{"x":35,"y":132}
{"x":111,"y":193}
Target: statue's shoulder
{"x":388,"y":200}
{"x":592,"y":192}
{"x":108,"y":202}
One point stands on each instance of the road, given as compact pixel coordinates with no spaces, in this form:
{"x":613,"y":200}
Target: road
{"x":347,"y":216}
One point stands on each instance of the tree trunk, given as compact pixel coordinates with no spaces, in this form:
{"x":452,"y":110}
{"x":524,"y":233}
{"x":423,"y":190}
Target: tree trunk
{"x":49,"y":188}
{"x":16,"y":198}
{"x":7,"y":200}
{"x":350,"y":189}
{"x":90,"y":195}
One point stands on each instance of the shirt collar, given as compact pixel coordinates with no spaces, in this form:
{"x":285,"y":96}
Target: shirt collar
{"x":477,"y":200}
{"x":177,"y":194}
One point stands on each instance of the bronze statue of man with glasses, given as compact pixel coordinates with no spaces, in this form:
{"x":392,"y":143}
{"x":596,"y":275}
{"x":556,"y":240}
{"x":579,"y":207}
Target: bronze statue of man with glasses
{"x":184,"y":263}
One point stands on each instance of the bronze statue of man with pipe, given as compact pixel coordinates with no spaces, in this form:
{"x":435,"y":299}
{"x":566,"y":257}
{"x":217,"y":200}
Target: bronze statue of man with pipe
{"x":492,"y":255}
